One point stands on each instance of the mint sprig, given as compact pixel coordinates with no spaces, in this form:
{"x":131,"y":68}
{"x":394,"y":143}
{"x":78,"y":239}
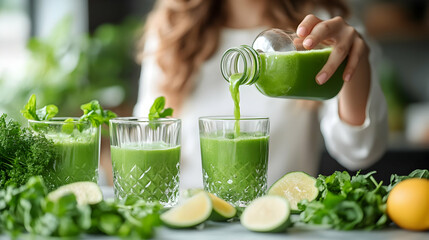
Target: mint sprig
{"x":43,"y":114}
{"x":158,"y":109}
{"x":92,"y":112}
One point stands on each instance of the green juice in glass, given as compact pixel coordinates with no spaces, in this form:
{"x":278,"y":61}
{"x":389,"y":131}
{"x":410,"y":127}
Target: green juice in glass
{"x":235,"y":168}
{"x":292,"y":75}
{"x":149,"y":171}
{"x":78,"y":158}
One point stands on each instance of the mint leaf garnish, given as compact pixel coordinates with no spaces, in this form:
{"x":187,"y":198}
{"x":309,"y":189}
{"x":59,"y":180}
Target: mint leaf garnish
{"x":157,"y":110}
{"x":30,"y":112}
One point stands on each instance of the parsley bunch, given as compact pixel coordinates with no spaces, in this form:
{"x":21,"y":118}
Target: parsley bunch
{"x":22,"y":154}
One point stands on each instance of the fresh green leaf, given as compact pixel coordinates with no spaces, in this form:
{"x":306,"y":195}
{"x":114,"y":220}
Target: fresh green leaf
{"x":157,"y":110}
{"x":47,"y":112}
{"x":29,"y":111}
{"x":32,"y":113}
{"x":347,"y":202}
{"x":68,"y":126}
{"x":27,"y":209}
{"x":94,"y":113}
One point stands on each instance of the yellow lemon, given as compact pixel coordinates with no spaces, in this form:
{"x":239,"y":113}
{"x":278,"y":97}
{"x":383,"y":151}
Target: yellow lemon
{"x":408,"y":204}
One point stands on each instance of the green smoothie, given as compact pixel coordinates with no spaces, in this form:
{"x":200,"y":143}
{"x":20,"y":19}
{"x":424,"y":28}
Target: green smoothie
{"x":149,"y":171}
{"x":292,"y":75}
{"x":235,"y":169}
{"x":78,"y":158}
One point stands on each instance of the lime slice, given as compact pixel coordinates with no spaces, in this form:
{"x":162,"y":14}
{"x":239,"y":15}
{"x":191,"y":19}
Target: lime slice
{"x":267,"y":214}
{"x":190,"y":213}
{"x":295,"y":186}
{"x":85,"y":192}
{"x":222,"y":210}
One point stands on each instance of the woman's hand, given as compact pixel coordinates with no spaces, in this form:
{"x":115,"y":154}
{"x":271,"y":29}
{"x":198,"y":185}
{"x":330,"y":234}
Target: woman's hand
{"x":346,"y":42}
{"x":344,"y":39}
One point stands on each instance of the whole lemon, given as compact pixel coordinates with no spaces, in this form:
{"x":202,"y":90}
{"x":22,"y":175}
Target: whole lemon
{"x":408,"y":204}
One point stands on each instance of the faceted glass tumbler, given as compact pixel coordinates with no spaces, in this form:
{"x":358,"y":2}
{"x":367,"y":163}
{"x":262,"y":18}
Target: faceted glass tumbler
{"x":146,"y":158}
{"x":77,"y":145}
{"x":235,"y":165}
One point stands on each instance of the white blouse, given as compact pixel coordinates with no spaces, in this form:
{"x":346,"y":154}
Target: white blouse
{"x":295,"y":132}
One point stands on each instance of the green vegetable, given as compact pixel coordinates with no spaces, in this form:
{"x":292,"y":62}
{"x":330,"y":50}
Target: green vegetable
{"x":28,"y":210}
{"x":157,"y":110}
{"x":43,"y":114}
{"x":92,"y":112}
{"x":347,"y":202}
{"x":357,"y":202}
{"x":418,"y":173}
{"x":22,"y":154}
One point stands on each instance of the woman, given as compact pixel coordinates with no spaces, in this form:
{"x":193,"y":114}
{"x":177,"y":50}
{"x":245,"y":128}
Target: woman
{"x":184,"y":42}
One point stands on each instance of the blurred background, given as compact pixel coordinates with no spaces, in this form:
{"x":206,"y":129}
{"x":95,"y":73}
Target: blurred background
{"x":69,"y":52}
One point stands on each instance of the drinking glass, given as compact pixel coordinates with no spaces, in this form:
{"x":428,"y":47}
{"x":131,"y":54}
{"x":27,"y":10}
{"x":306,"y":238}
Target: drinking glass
{"x":235,"y":164}
{"x":146,"y":158}
{"x":78,"y":147}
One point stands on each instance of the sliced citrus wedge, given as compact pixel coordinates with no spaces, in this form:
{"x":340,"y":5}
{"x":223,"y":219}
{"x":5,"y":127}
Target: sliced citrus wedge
{"x":222,"y":210}
{"x":85,"y":192}
{"x":190,"y":213}
{"x":295,"y":186}
{"x":267,"y":214}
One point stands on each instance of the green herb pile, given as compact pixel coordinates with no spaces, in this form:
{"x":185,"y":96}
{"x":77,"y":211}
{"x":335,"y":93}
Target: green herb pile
{"x":22,"y":154}
{"x":351,"y":202}
{"x":27,"y":209}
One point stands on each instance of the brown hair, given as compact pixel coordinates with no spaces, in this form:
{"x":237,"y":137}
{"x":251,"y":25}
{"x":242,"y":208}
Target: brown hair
{"x":188,"y":34}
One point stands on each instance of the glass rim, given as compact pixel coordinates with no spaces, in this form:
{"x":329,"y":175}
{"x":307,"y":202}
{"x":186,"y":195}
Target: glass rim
{"x":232,"y":118}
{"x":58,"y":120}
{"x":131,"y":120}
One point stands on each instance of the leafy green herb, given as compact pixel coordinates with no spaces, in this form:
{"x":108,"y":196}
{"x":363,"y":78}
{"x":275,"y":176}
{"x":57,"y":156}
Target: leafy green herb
{"x":43,"y":114}
{"x":357,"y":202}
{"x":28,"y":210}
{"x":157,"y":110}
{"x":22,"y":154}
{"x":418,"y":173}
{"x":347,"y":202}
{"x":92,"y":112}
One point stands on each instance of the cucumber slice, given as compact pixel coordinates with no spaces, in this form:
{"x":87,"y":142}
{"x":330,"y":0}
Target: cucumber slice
{"x":85,"y":192}
{"x":267,"y":214}
{"x":190,"y":213}
{"x":295,"y":186}
{"x":222,"y":210}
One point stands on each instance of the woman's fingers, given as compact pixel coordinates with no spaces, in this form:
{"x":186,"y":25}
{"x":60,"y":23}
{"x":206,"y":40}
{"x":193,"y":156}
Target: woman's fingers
{"x":328,"y":30}
{"x":307,"y":25}
{"x":358,"y":49}
{"x":341,"y":49}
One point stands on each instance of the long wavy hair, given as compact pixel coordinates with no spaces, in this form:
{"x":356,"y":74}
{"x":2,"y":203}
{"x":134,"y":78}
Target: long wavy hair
{"x":188,"y":32}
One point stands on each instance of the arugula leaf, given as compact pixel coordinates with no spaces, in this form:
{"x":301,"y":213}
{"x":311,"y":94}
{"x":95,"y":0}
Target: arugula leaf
{"x":46,"y":113}
{"x":157,"y":110}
